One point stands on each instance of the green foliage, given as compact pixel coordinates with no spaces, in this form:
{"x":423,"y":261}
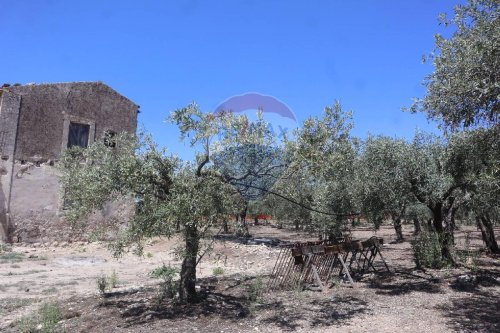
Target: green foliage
{"x":135,"y":169}
{"x":218,"y":271}
{"x":105,"y":283}
{"x":5,"y":248}
{"x":427,"y":250}
{"x":463,"y":90}
{"x":323,"y":156}
{"x":98,"y":234}
{"x":113,"y":280}
{"x":11,"y":257}
{"x":168,"y":287}
{"x":102,"y":284}
{"x":337,"y":283}
{"x":49,"y":314}
{"x":385,"y":189}
{"x":255,"y":289}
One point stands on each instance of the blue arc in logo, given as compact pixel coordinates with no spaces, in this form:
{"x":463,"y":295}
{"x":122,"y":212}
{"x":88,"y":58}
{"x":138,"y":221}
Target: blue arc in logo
{"x":255,"y":101}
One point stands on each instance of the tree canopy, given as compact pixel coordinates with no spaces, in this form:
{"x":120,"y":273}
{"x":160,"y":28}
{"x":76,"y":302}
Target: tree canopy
{"x":464,"y":89}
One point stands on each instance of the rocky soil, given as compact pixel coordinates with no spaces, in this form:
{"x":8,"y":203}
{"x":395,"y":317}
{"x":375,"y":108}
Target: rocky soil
{"x":233,"y":290}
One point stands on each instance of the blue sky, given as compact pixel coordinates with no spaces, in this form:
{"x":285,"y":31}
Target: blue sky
{"x":165,"y":54}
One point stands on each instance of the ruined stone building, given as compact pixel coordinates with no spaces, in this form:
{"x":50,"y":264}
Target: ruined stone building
{"x":37,"y":122}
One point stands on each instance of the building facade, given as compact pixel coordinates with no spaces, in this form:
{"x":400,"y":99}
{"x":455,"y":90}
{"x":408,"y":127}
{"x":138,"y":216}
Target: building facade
{"x":37,"y":122}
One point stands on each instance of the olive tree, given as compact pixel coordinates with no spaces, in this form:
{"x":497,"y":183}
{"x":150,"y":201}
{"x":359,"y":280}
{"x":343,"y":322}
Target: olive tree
{"x":474,"y":159}
{"x":325,"y":148}
{"x":464,"y":89}
{"x":295,"y":184}
{"x":134,"y":169}
{"x":385,"y":190}
{"x":234,"y":155}
{"x":165,"y":191}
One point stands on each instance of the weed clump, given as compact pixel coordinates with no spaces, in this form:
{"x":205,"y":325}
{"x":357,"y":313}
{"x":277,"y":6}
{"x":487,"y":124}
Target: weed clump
{"x":105,"y":283}
{"x":218,"y":271}
{"x":45,"y":321}
{"x":168,"y":287}
{"x":102,"y":284}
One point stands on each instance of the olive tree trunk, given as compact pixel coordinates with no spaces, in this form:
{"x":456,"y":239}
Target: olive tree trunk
{"x":187,"y":282}
{"x":243,"y":227}
{"x":486,"y":226}
{"x":444,"y":228}
{"x":398,"y":228}
{"x":418,"y":227}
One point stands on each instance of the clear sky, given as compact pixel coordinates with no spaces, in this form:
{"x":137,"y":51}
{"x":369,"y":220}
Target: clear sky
{"x":165,"y":54}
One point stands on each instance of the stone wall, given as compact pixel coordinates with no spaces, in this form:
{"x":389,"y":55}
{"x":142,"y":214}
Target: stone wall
{"x":34,"y":122}
{"x":47,"y":108}
{"x":9,"y":113}
{"x":38,"y":215}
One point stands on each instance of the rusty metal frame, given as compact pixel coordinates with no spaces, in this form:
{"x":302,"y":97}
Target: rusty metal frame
{"x":314,"y":263}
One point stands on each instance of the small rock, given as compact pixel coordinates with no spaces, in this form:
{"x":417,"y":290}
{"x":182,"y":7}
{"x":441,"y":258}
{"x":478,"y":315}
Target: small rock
{"x":71,"y":314}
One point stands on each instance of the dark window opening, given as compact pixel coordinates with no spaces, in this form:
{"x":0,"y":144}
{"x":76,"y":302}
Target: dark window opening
{"x":109,"y":139}
{"x":78,"y":135}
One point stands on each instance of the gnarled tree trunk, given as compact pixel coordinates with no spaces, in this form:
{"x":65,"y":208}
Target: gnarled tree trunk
{"x":442,"y":224}
{"x":187,"y":283}
{"x":398,"y":227}
{"x":486,"y":226}
{"x":243,"y":227}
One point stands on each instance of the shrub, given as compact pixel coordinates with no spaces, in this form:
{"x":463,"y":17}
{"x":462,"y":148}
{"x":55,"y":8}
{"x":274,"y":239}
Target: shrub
{"x":168,"y":287}
{"x":102,"y":284}
{"x":50,"y":315}
{"x":5,"y":248}
{"x":427,"y":250}
{"x":45,"y":321}
{"x":113,"y":280}
{"x":11,"y":257}
{"x":218,"y":271}
{"x":107,"y":282}
{"x":255,"y":290}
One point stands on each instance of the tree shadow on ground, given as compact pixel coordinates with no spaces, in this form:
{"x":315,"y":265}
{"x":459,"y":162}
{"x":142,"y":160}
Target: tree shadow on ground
{"x":336,"y":311}
{"x":138,"y":311}
{"x":477,"y":313}
{"x":230,"y":301}
{"x":250,"y":240}
{"x":472,"y":281}
{"x":226,"y":297}
{"x":404,"y":282}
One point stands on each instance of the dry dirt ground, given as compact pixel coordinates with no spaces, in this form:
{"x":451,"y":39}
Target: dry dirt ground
{"x":238,"y":300}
